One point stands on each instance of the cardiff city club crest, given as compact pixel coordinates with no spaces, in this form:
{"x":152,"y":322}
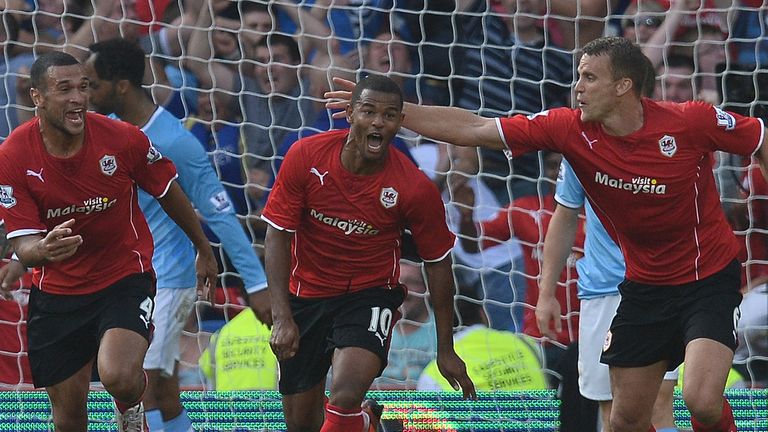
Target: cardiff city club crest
{"x":668,"y":145}
{"x":108,"y":165}
{"x":388,"y":197}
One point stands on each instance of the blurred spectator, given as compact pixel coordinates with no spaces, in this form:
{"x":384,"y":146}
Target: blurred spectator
{"x":387,"y":54}
{"x":414,"y":337}
{"x":10,"y":67}
{"x":749,"y":33}
{"x":674,"y":80}
{"x":272,"y":105}
{"x":527,"y":219}
{"x":508,"y":67}
{"x":751,"y":357}
{"x":238,"y":356}
{"x":495,"y":274}
{"x":495,"y":359}
{"x":694,"y":28}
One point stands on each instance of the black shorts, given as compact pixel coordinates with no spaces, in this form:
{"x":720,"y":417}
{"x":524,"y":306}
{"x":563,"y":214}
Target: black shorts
{"x":656,"y":322}
{"x":64,"y":331}
{"x":362,"y":319}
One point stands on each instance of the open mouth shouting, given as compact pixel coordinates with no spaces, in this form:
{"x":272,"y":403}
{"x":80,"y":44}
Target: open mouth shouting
{"x":375,"y":142}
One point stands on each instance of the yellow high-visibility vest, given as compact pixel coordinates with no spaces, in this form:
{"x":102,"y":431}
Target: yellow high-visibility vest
{"x":496,"y":360}
{"x":239,"y":357}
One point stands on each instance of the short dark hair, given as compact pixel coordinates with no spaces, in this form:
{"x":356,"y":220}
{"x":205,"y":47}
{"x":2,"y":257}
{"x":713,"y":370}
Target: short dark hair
{"x":119,"y":59}
{"x":274,"y":39}
{"x":38,"y":74}
{"x":379,"y":83}
{"x":624,"y":56}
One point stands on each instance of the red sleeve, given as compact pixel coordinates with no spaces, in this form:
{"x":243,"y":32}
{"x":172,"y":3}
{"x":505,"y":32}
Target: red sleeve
{"x":286,"y":201}
{"x":425,"y":216}
{"x":540,"y":131}
{"x":17,"y":208}
{"x":496,"y":230}
{"x":727,"y":131}
{"x":149,"y":169}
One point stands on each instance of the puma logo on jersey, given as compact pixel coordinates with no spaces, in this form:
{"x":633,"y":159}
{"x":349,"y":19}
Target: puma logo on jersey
{"x":36,"y":174}
{"x":589,"y":141}
{"x":314,"y":171}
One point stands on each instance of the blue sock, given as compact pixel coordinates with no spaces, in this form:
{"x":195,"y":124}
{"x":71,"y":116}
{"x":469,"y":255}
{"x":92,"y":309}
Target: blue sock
{"x":181,"y":423}
{"x":667,"y":430}
{"x":154,"y":420}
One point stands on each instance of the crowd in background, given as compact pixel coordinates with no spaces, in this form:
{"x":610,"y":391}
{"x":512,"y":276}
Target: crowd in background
{"x":247,"y":78}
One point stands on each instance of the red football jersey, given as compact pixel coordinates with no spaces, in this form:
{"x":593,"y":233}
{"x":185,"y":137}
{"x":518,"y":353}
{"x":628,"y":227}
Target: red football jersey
{"x":348,"y":227}
{"x":96,"y":187}
{"x":529,"y":218}
{"x":653,"y":190}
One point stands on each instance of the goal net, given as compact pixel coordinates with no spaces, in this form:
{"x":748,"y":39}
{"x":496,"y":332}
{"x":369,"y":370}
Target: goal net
{"x":247,"y":78}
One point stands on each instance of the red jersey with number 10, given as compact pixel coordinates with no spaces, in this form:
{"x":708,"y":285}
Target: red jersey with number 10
{"x":97,"y":188}
{"x":348,"y":228}
{"x":653,"y":189}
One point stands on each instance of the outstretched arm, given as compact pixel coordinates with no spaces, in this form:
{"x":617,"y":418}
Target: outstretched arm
{"x":285,"y":332}
{"x":178,"y":207}
{"x":441,"y":290}
{"x":561,"y":235}
{"x":452,"y":125}
{"x":57,"y":245}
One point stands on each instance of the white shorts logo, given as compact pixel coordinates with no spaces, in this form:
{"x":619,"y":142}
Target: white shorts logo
{"x":608,"y":340}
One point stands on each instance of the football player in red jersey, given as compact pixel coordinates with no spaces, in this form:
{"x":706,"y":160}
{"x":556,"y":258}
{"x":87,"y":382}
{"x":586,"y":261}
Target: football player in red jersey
{"x":336,"y":217}
{"x":68,"y":182}
{"x":646,"y":167}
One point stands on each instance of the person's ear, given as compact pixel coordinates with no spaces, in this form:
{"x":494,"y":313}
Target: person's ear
{"x":623,"y":86}
{"x":37,"y":97}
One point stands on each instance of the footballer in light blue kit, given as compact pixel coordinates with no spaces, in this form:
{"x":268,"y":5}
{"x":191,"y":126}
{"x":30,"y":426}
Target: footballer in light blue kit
{"x":600,"y":270}
{"x":115,"y":69}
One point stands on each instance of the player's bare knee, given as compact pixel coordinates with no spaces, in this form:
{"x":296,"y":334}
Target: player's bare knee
{"x":625,"y":421}
{"x":705,"y":408}
{"x":125,"y":385}
{"x":346,"y":398}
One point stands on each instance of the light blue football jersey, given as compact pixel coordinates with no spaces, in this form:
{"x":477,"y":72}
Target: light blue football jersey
{"x":602,"y":268}
{"x":174,"y":257}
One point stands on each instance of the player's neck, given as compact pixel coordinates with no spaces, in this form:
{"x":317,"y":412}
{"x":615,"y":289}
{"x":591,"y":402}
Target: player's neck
{"x":627,"y":118}
{"x":138,"y":109}
{"x":59,"y":143}
{"x":354,"y":162}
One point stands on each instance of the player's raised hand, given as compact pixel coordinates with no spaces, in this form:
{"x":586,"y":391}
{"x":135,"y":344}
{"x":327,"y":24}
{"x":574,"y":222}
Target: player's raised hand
{"x":339,"y":99}
{"x":59,"y":244}
{"x":452,"y":367}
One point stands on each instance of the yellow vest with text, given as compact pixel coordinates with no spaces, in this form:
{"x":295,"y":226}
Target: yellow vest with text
{"x":496,"y":360}
{"x":239,"y":357}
